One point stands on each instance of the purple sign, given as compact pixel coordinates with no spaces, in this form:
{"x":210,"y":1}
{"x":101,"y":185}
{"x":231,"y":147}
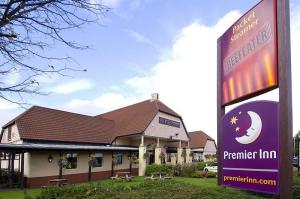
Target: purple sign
{"x":250,"y":151}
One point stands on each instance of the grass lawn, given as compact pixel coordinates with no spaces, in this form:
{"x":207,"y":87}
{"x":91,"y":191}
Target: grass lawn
{"x":139,"y":188}
{"x":17,"y":193}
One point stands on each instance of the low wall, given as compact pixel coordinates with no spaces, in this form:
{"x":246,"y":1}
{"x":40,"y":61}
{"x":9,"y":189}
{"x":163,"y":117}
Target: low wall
{"x":74,"y":178}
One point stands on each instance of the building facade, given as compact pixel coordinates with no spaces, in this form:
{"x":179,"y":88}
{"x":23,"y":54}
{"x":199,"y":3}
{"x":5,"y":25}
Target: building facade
{"x":43,"y":144}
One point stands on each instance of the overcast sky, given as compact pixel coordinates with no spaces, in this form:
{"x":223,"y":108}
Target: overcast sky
{"x":147,"y":46}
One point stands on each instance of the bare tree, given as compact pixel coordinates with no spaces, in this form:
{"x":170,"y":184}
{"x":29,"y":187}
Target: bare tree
{"x":27,"y":27}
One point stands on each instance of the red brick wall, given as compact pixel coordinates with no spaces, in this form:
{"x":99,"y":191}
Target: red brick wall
{"x":74,"y":178}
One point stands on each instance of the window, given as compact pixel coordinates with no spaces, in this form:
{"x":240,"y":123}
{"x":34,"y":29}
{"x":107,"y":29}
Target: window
{"x":197,"y":157}
{"x":71,"y":161}
{"x":119,"y":158}
{"x":9,"y":134}
{"x":98,"y":160}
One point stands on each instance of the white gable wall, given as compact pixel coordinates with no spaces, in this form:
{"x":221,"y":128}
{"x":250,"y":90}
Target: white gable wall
{"x":15,"y":136}
{"x":210,"y":147}
{"x":155,"y":129}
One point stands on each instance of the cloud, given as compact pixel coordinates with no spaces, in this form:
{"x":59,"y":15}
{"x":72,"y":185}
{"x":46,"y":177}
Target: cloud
{"x":47,"y":78}
{"x":110,"y":3}
{"x":12,"y":78}
{"x":106,"y":102}
{"x":72,"y":87}
{"x":111,"y":101}
{"x":140,"y":38}
{"x":186,"y":78}
{"x":295,"y":40}
{"x":6,"y":105}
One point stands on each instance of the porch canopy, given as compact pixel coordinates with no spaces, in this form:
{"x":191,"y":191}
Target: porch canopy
{"x":18,"y":150}
{"x":27,"y":147}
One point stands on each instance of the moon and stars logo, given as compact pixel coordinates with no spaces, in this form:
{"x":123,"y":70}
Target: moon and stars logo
{"x":247,"y":126}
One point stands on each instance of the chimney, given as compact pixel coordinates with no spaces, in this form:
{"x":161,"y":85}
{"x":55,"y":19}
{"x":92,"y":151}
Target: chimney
{"x":154,"y":97}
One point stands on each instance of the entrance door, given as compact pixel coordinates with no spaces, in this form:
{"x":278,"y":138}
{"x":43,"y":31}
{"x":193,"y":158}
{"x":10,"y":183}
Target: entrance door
{"x":151,"y":158}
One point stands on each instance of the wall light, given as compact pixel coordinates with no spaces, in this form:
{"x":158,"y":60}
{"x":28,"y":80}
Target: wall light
{"x":50,"y":158}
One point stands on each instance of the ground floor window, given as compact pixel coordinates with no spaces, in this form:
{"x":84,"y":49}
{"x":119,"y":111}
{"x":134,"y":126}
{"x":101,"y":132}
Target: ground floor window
{"x":119,"y":158}
{"x":71,"y":161}
{"x":98,"y":159}
{"x":197,"y":157}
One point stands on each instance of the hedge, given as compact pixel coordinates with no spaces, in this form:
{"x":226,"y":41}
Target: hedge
{"x":154,"y":168}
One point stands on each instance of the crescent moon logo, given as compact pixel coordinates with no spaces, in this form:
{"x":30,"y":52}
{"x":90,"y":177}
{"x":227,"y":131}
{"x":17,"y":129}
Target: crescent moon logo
{"x":253,"y":131}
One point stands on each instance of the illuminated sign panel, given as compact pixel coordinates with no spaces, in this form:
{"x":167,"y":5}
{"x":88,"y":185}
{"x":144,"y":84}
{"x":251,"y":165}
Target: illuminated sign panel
{"x":250,"y":149}
{"x":249,"y":54}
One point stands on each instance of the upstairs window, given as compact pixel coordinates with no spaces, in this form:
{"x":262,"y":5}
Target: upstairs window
{"x":9,"y":134}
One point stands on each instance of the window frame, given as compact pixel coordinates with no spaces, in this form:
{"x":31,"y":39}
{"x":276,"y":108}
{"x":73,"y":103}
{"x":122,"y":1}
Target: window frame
{"x":96,"y":163}
{"x":70,"y":164}
{"x":9,"y":134}
{"x":119,"y":158}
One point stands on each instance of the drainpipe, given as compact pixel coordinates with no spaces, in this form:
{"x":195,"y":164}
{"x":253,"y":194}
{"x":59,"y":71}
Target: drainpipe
{"x":90,"y":168}
{"x":60,"y":165}
{"x":112,"y":164}
{"x":130,"y":163}
{"x":22,"y":169}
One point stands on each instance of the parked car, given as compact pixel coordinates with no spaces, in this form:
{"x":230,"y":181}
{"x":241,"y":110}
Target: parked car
{"x":295,"y":161}
{"x":212,"y":167}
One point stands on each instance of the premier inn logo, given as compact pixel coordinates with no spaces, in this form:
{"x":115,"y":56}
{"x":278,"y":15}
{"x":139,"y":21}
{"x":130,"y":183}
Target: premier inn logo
{"x":247,"y":126}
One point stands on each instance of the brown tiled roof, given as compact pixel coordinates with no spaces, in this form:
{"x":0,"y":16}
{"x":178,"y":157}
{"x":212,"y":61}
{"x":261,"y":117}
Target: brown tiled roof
{"x":136,"y":118}
{"x":198,"y":139}
{"x":41,"y":123}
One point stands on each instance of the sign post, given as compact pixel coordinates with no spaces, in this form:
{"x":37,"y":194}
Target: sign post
{"x":285,"y":99}
{"x":254,"y":58}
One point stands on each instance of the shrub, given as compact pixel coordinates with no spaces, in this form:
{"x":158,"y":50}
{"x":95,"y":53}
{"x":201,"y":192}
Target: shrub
{"x":154,"y":168}
{"x":200,"y":166}
{"x":188,"y":170}
{"x":5,"y":175}
{"x":177,"y":170}
{"x":211,"y":175}
{"x":202,"y":174}
{"x":146,"y":189}
{"x":196,"y":175}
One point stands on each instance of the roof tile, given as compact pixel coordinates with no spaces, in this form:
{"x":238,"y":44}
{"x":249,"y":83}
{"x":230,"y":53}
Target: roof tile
{"x":41,"y":123}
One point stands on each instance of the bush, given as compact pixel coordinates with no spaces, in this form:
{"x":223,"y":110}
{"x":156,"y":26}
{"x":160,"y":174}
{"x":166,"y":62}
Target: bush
{"x":147,"y":189}
{"x":177,"y":170}
{"x":201,"y":174}
{"x":211,"y":175}
{"x":154,"y":168}
{"x":200,"y":166}
{"x":4,"y":176}
{"x":196,"y":175}
{"x":188,"y":170}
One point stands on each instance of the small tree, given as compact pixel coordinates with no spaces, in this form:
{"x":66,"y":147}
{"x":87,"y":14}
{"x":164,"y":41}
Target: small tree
{"x":27,"y":28}
{"x":296,"y":140}
{"x":162,"y":157}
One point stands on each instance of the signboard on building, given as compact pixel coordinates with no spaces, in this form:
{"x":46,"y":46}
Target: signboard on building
{"x":250,"y":150}
{"x":168,"y":122}
{"x":249,"y":54}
